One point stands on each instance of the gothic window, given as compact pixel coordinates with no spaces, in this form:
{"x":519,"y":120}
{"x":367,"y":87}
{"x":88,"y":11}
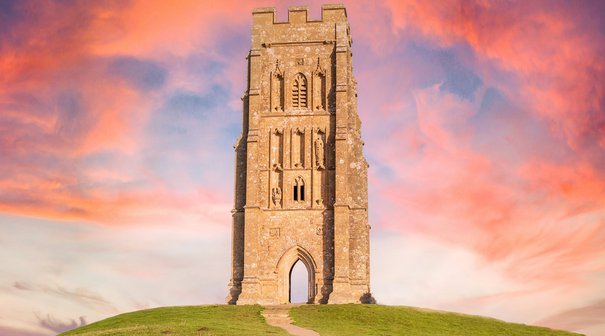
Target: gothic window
{"x":299,"y":91}
{"x":299,"y":189}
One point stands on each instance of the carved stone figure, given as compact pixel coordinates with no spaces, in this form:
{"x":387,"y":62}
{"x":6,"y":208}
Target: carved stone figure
{"x":319,"y":153}
{"x":276,"y":195}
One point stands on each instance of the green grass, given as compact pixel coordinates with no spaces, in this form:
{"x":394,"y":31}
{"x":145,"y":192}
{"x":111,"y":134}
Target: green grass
{"x":328,"y":320}
{"x":344,"y":320}
{"x":193,"y":320}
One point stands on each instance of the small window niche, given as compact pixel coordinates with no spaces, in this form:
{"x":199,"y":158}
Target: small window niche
{"x":277,"y":89}
{"x":299,"y":189}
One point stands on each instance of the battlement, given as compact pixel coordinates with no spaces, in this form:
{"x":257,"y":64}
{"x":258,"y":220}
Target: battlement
{"x":299,"y":14}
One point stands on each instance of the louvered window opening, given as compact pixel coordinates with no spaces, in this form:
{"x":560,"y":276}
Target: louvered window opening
{"x":299,"y":92}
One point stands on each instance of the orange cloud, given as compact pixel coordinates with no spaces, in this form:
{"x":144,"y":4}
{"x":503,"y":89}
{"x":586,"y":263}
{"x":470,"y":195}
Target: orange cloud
{"x":80,"y":81}
{"x":542,"y":221}
{"x":550,"y":47}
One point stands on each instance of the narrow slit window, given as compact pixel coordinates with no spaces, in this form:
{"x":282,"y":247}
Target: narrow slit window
{"x":299,"y":189}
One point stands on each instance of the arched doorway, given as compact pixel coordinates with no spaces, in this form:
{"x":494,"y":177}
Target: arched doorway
{"x":286,"y":265}
{"x":299,"y":283}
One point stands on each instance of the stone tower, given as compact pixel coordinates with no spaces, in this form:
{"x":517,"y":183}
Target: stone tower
{"x":301,"y":186}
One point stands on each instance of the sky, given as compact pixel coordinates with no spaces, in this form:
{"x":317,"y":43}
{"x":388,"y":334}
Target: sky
{"x":484,"y":128}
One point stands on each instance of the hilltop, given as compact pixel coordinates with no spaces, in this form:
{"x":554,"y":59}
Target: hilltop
{"x":328,"y":320}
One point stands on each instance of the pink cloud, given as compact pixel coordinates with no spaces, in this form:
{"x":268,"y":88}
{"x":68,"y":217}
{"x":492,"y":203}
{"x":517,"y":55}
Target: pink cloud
{"x":66,"y":98}
{"x":588,"y":317}
{"x":453,"y":189}
{"x":518,"y":186}
{"x":550,"y":47}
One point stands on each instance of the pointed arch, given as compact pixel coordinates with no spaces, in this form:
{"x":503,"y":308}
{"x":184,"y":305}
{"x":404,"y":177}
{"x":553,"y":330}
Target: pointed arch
{"x":297,"y":152}
{"x":284,"y":266}
{"x":299,"y":283}
{"x":319,"y":87}
{"x":299,"y":91}
{"x":277,"y":89}
{"x":299,"y":189}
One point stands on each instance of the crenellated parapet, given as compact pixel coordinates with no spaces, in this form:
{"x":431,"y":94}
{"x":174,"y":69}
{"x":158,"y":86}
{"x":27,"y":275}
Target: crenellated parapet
{"x":266,"y":31}
{"x":299,"y":14}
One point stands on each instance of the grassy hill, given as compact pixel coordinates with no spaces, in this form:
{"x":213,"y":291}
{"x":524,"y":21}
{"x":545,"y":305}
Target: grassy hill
{"x":341,"y":320}
{"x":328,"y":320}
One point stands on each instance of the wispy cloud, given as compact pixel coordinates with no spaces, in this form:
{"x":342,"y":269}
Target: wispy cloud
{"x":9,"y":331}
{"x":82,"y":296}
{"x":52,"y":324}
{"x":578,"y":318}
{"x":484,"y":126}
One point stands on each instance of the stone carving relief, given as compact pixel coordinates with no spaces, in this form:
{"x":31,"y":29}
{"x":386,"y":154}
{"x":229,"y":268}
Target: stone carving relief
{"x":276,"y":196}
{"x":319,"y":153}
{"x":276,"y":164}
{"x":319,"y":162}
{"x":277,"y":89}
{"x":274,"y":232}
